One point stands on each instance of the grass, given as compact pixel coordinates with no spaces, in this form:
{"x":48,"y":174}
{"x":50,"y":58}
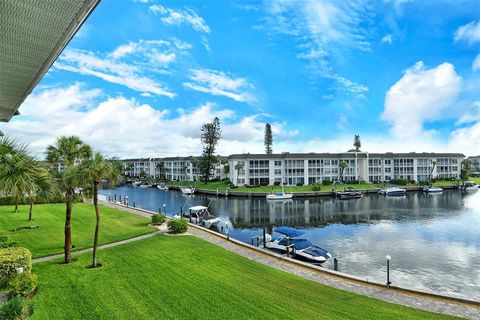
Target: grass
{"x":48,"y":239}
{"x":184,"y":277}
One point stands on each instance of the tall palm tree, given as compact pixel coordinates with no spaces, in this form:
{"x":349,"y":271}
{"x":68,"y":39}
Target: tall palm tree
{"x":43,"y":186}
{"x":161,"y":169}
{"x":434,"y":163}
{"x":94,"y":170}
{"x":239,"y":166}
{"x":342,"y":165}
{"x":71,"y":151}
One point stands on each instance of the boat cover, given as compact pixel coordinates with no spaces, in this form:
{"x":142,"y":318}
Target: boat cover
{"x":289,"y":232}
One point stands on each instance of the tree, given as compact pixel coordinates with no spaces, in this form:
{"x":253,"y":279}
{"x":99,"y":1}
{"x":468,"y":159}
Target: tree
{"x":268,"y":139}
{"x":226,"y":167}
{"x":93,"y":170}
{"x":466,"y":169}
{"x":71,"y":151}
{"x":357,"y":143}
{"x":211,"y":135}
{"x":434,"y":163}
{"x":44,"y":186}
{"x":239,"y":166}
{"x":342,"y":165}
{"x":161,"y":169}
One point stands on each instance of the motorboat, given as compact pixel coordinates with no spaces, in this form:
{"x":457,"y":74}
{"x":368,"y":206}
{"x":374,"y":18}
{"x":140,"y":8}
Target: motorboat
{"x":145,"y":185}
{"x":279,"y":195}
{"x":301,"y":248}
{"x":393,"y":192}
{"x":432,"y":189}
{"x":201,"y":215}
{"x":469,"y":186}
{"x":162,"y":187}
{"x":136,"y":183}
{"x":188,"y":190}
{"x":349,"y":193}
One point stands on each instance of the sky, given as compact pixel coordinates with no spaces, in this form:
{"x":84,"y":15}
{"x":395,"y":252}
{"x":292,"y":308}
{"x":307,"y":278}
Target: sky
{"x":141,"y":77}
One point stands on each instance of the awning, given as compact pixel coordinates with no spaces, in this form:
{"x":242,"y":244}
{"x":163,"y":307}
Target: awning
{"x":32,"y":35}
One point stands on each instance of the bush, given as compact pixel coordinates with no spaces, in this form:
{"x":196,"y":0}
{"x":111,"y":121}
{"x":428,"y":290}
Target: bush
{"x":264,"y":184}
{"x":276,"y":183}
{"x":299,"y":184}
{"x":327,"y":182}
{"x":23,"y":284}
{"x":3,"y":239}
{"x":351,"y":182}
{"x":12,"y":309}
{"x":177,"y":226}
{"x":8,"y":244}
{"x":158,"y":219}
{"x":316,"y":187}
{"x":401,"y":182}
{"x":12,"y":258}
{"x":10,"y":200}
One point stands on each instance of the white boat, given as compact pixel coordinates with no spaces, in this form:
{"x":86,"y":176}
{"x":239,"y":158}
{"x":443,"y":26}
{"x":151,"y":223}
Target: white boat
{"x":162,"y":187}
{"x":349,"y":193}
{"x":136,"y":183}
{"x":393,"y":192}
{"x":188,"y":190}
{"x":201,"y":215}
{"x":432,"y":189}
{"x":280,"y":195}
{"x":145,"y":185}
{"x":469,"y":186}
{"x":301,"y":248}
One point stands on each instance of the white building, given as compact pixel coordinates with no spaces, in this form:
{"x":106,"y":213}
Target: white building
{"x":308,"y":168}
{"x":170,"y":168}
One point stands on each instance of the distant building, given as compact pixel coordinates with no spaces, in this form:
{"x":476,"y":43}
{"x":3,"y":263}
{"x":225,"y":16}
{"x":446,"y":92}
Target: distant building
{"x":170,"y":168}
{"x":309,"y":168}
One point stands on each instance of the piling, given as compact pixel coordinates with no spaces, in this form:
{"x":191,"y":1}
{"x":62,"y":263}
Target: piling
{"x":264,"y":240}
{"x":335,"y":264}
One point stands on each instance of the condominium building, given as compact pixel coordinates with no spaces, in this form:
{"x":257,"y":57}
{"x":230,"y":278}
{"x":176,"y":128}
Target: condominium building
{"x":309,"y":168}
{"x":170,"y":168}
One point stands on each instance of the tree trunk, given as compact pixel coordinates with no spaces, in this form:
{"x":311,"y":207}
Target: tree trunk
{"x":68,"y":231}
{"x":30,"y":212}
{"x":16,"y":205}
{"x":97,"y":225}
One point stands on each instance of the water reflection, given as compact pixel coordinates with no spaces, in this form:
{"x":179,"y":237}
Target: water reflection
{"x":434,"y":240}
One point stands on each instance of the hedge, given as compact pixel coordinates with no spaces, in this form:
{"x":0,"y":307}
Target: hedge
{"x":10,"y":200}
{"x":177,"y":226}
{"x":12,"y":258}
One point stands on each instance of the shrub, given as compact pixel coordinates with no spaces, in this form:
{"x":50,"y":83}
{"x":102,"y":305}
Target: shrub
{"x":12,"y":309}
{"x":8,"y":244}
{"x":316,"y":187}
{"x":158,"y":219}
{"x":299,"y":184}
{"x":177,"y":226}
{"x":402,"y":182}
{"x":23,"y":284}
{"x":351,"y":182}
{"x":12,"y":258}
{"x":424,"y":183}
{"x":3,"y":239}
{"x":276,"y":183}
{"x":264,"y":184}
{"x":327,"y":182}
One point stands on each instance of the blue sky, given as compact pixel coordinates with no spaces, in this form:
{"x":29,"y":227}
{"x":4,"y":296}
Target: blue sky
{"x":141,"y":77}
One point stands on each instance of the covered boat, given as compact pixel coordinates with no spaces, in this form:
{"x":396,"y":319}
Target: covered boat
{"x":201,"y":215}
{"x":301,"y":248}
{"x":432,"y":189}
{"x":349,"y":193}
{"x":188,"y":190}
{"x":280,"y":195}
{"x":469,"y":186}
{"x":393,"y":192}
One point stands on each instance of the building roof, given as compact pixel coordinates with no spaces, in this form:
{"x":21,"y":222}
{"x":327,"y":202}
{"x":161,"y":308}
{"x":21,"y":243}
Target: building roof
{"x":344,"y":155}
{"x":32,"y":35}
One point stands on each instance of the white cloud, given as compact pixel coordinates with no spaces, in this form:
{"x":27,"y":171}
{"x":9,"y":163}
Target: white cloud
{"x":421,"y":95}
{"x":119,"y":126}
{"x":476,"y":63}
{"x":205,"y":44}
{"x":220,"y":84}
{"x":467,"y":138}
{"x":130,"y":76}
{"x":469,"y":32}
{"x":325,"y":31}
{"x":388,"y":39}
{"x":178,"y":17}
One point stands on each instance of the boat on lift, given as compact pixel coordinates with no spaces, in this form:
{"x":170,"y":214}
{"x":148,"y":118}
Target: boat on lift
{"x":349,"y":193}
{"x":162,"y":187}
{"x":188,"y":190}
{"x":201,"y":215}
{"x":279,"y":195}
{"x":393,"y":192}
{"x":469,"y":186}
{"x":284,"y":237}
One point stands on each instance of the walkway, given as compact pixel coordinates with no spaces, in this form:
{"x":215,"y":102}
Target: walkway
{"x":415,"y":301}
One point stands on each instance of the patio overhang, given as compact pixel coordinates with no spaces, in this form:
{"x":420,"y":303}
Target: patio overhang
{"x":33,"y":33}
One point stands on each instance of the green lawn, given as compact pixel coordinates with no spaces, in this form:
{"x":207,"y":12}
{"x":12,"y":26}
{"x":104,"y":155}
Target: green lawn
{"x":48,"y":238}
{"x":184,"y":277}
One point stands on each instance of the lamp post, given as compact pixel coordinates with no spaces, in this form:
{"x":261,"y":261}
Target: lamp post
{"x":388,"y":258}
{"x":165,"y":209}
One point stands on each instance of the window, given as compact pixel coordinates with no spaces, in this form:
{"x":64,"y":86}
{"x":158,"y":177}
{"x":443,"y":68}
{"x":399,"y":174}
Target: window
{"x":387,"y":162}
{"x":278,"y":163}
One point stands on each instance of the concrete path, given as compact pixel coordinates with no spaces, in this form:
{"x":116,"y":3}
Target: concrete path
{"x":415,"y":301}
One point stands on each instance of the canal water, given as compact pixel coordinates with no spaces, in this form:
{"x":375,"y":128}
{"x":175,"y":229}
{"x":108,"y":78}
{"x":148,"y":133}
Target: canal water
{"x":434,"y":240}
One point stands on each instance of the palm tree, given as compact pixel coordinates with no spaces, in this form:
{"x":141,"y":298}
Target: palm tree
{"x":239,"y":166}
{"x":434,"y":163}
{"x":342,"y":165}
{"x":161,"y":169}
{"x":94,"y":170}
{"x":43,"y":186}
{"x":71,"y":151}
{"x":17,"y":169}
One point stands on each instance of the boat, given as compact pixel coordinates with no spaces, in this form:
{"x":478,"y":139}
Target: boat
{"x":201,"y":215}
{"x":280,"y":195}
{"x":188,"y":190}
{"x":469,"y":186}
{"x":163,"y":187}
{"x":136,"y":183}
{"x":302,"y":248}
{"x":349,"y":193}
{"x":433,"y":189}
{"x":145,"y":185}
{"x":393,"y":192}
